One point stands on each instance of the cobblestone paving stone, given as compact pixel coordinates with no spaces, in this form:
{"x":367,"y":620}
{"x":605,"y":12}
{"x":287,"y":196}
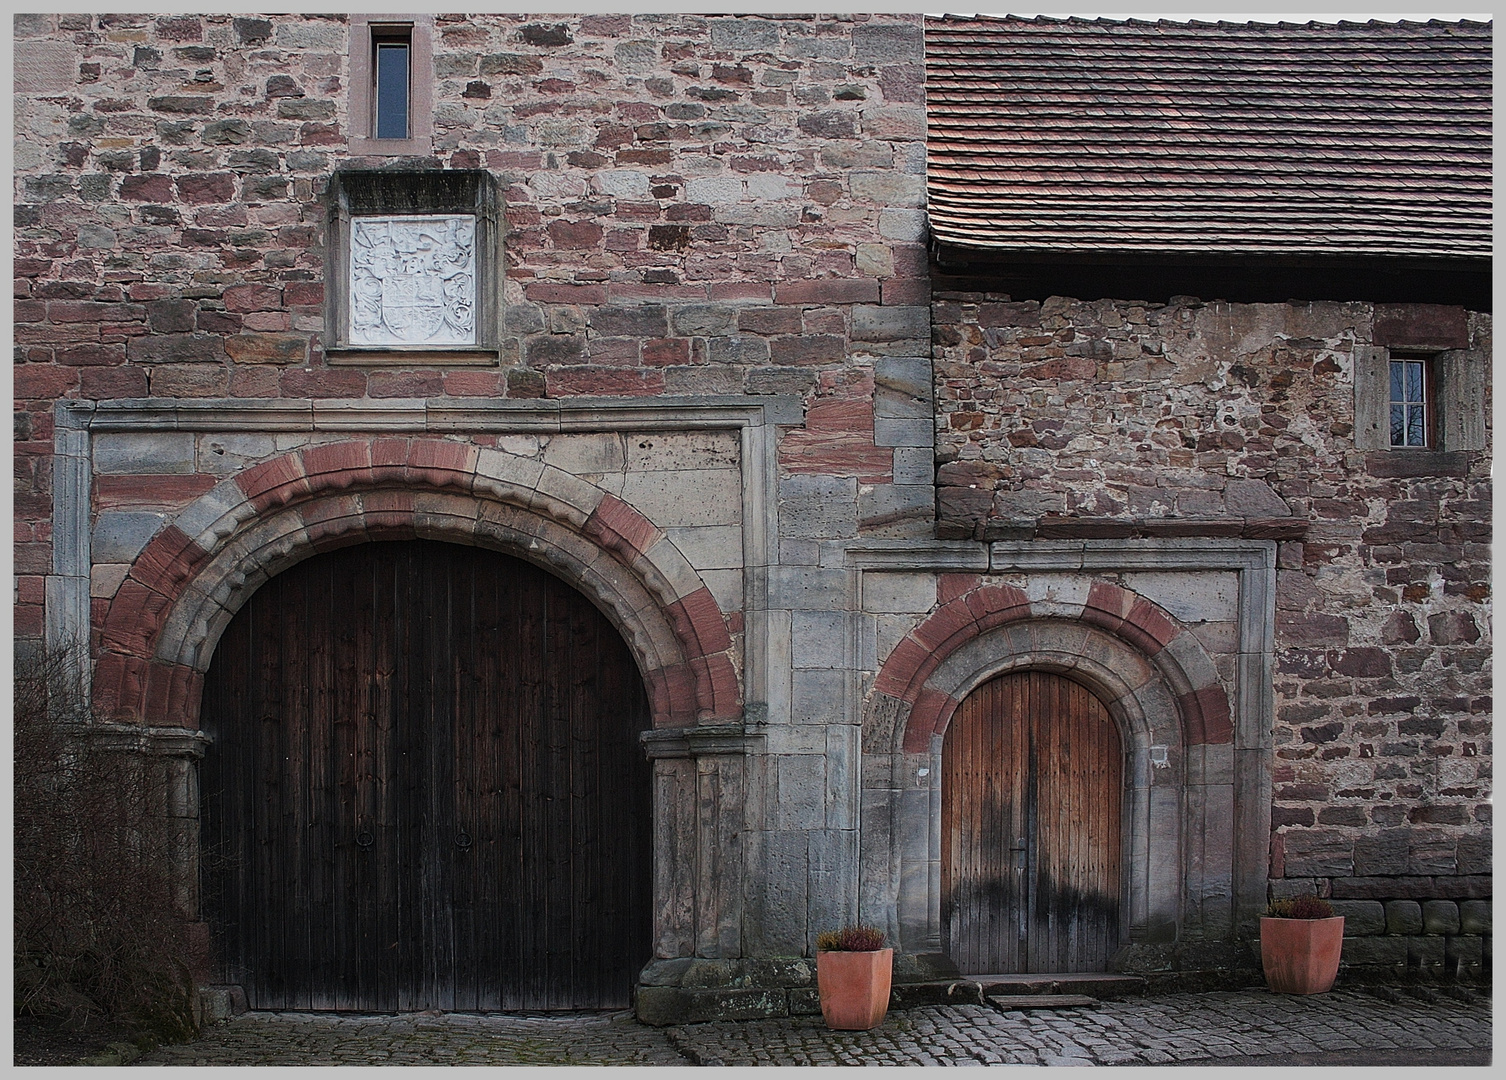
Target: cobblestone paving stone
{"x":424,"y":1039}
{"x":1144,"y":1031}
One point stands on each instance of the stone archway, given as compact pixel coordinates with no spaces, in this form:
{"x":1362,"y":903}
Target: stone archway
{"x":157,"y":636}
{"x":1158,"y":685}
{"x":159,"y":630}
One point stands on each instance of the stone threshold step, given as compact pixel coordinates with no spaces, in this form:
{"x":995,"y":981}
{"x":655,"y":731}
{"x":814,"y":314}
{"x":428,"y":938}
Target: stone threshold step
{"x":1042,"y":1001}
{"x":1096,"y":984}
{"x":973,"y":989}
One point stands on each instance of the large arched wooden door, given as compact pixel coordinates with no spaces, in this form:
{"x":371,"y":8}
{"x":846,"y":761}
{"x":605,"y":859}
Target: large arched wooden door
{"x":1031,"y":793}
{"x":425,"y":789}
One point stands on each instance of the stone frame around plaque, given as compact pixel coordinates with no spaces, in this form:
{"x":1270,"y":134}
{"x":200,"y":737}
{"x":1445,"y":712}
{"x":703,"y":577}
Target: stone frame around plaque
{"x":425,"y":212}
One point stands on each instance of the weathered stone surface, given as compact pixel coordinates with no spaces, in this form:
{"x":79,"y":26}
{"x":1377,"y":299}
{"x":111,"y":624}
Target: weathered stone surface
{"x":1440,"y":917}
{"x":1403,"y":917}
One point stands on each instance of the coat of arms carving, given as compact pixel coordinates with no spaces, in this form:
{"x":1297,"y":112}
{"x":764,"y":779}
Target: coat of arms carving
{"x":413,"y":280}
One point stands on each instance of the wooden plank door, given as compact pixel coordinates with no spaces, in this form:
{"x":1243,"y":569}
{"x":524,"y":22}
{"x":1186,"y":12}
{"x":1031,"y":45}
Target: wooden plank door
{"x":1031,"y":794}
{"x":425,"y":789}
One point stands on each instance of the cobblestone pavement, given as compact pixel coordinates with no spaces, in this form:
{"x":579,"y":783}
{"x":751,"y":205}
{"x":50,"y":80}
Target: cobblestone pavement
{"x":1242,"y":1026}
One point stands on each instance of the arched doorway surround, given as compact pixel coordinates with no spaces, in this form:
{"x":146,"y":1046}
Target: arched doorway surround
{"x":156,"y":637}
{"x":159,"y":631}
{"x":423,"y":789}
{"x":1159,"y":686}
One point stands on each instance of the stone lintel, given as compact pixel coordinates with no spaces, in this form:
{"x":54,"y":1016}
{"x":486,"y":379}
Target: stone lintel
{"x":701,"y":741}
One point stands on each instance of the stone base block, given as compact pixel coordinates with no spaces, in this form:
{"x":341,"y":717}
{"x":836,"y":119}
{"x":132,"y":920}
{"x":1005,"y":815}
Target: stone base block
{"x":218,"y":1003}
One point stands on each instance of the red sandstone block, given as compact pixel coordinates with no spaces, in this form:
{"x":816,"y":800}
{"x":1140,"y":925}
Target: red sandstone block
{"x":303,"y":292}
{"x":40,"y":381}
{"x":1211,"y":705}
{"x":738,"y":290}
{"x":828,"y":291}
{"x":323,"y":382}
{"x":717,"y":692}
{"x":27,"y":620}
{"x":135,"y":616}
{"x":928,"y":716}
{"x":709,"y":629}
{"x":473,"y":384}
{"x":987,"y":604}
{"x":610,"y":382}
{"x":614,"y":520}
{"x":155,"y":490}
{"x":912,"y":292}
{"x":852,"y":416}
{"x":899,"y":669}
{"x":663,"y":352}
{"x":945,"y":622}
{"x":631,"y":291}
{"x":272,"y":475}
{"x":389,"y":452}
{"x":321,"y":511}
{"x":98,"y":384}
{"x":337,"y":457}
{"x":950,"y":586}
{"x":1154,"y":622}
{"x":543,"y":292}
{"x":73,"y":311}
{"x":734,"y":622}
{"x":168,"y":561}
{"x":1110,"y":599}
{"x":837,"y":455}
{"x":441,"y":455}
{"x":119,"y":680}
{"x":388,"y":384}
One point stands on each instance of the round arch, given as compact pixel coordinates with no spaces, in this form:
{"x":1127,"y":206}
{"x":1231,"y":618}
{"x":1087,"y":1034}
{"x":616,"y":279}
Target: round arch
{"x":1157,"y":682}
{"x":158,"y":633}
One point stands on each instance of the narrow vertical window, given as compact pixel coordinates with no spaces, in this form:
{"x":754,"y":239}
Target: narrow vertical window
{"x":391,"y":65}
{"x":1410,"y":404}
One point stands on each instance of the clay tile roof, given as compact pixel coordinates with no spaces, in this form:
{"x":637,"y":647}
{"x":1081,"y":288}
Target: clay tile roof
{"x":1154,"y":138}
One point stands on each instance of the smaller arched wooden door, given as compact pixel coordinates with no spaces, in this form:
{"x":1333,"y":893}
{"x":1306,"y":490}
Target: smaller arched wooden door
{"x":1031,"y":794}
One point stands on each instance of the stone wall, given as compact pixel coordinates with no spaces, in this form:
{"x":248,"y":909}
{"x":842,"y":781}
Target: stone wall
{"x":1109,"y":418}
{"x":694,"y":206}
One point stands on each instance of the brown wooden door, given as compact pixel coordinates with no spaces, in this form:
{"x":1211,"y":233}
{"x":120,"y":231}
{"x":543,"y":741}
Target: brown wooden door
{"x":425,"y":789}
{"x":1031,"y":791}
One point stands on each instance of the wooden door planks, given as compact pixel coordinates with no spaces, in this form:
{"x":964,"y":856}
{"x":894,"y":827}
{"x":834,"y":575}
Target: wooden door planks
{"x":1032,"y":791}
{"x":425,"y":789}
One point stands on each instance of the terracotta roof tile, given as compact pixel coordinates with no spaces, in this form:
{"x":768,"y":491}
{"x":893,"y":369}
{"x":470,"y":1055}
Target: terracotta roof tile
{"x":1075,"y":135}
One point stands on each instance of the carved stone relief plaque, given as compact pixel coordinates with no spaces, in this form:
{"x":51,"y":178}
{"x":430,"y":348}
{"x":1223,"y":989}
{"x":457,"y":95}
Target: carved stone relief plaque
{"x":413,"y":280}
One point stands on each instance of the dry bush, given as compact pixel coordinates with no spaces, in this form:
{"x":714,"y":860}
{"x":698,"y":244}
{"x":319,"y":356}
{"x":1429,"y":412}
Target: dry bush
{"x":98,"y":929}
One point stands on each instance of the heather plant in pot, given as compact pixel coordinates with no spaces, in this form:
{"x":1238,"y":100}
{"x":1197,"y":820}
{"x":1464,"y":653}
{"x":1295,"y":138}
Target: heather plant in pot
{"x":1300,"y":942}
{"x":853,"y":973}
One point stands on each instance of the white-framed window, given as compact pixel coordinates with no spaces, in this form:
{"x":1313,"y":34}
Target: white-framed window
{"x":1410,"y":402}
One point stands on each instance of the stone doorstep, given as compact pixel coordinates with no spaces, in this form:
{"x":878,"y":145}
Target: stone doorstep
{"x":974,"y":989}
{"x":1042,"y":1001}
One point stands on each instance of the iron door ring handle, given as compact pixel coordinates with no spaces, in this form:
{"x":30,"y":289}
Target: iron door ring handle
{"x":364,"y":839}
{"x":463,"y":840}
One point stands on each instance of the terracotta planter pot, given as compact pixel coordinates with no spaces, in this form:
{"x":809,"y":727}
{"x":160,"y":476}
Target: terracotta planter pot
{"x":854,"y":988}
{"x":1301,"y":956}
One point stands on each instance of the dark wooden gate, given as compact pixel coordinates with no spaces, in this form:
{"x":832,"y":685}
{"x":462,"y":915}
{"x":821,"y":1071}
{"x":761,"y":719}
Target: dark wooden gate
{"x":425,"y":789}
{"x":1031,"y":792}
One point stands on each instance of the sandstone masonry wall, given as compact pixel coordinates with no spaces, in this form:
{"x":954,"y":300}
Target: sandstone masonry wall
{"x":1068,"y":418}
{"x":694,"y":206}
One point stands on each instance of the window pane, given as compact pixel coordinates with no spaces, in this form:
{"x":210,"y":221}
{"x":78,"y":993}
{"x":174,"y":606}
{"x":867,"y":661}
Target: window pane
{"x":1396,"y":380}
{"x":1414,"y":382}
{"x":1398,"y":425}
{"x":1416,"y":427}
{"x":392,"y":90}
